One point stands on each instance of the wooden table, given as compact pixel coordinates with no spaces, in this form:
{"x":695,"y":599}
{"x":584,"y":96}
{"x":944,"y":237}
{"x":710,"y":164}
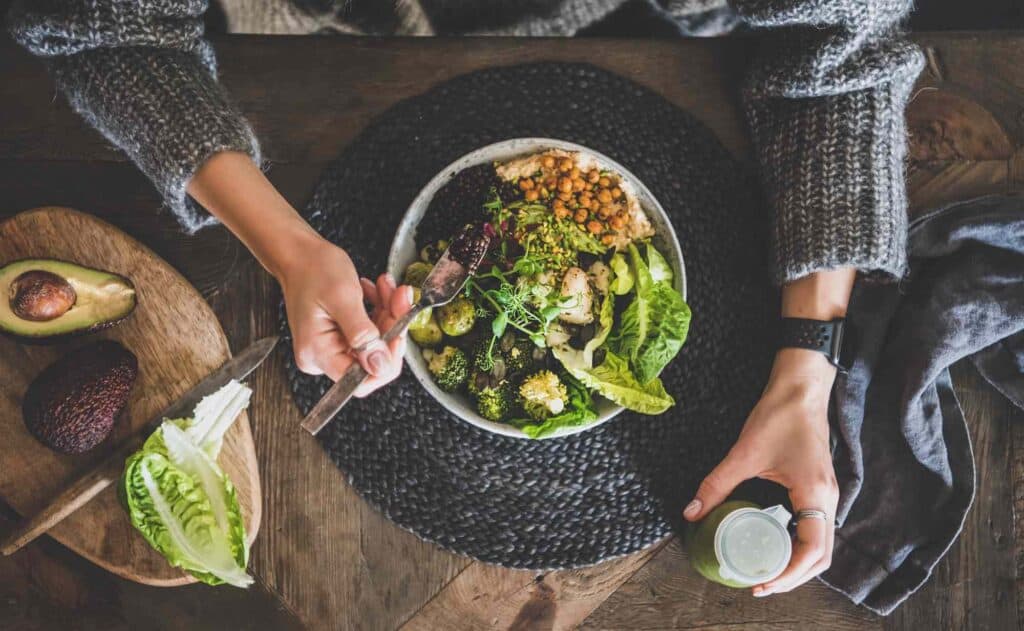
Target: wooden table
{"x":324,"y":558}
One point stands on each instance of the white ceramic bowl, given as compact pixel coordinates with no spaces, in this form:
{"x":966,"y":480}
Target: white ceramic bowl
{"x":404,"y":251}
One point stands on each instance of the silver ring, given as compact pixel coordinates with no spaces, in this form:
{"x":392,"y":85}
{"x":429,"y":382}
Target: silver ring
{"x":811,"y":513}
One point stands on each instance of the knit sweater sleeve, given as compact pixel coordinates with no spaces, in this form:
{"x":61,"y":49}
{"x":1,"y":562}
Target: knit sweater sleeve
{"x":825,"y":101}
{"x":142,"y":74}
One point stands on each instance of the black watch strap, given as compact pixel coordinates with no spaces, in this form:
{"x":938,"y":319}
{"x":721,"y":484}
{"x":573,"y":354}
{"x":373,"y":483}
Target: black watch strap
{"x":823,"y":336}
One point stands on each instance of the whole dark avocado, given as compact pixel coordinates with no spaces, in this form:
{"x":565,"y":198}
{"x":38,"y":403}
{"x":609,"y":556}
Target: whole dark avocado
{"x":72,"y":405}
{"x":50,"y":300}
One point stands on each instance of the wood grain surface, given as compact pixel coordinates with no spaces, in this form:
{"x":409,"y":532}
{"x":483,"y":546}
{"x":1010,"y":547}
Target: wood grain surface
{"x":326,"y":560}
{"x":177,"y":340}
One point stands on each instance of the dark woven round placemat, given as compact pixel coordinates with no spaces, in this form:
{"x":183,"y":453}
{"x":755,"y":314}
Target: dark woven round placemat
{"x":606,"y":492}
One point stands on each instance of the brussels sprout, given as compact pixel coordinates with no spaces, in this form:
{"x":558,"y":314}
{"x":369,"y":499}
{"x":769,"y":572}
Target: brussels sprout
{"x":494,"y":403}
{"x":416,"y":273}
{"x":425,"y":331}
{"x":543,"y":394}
{"x":457,"y":317}
{"x":433,"y":251}
{"x":449,"y":367}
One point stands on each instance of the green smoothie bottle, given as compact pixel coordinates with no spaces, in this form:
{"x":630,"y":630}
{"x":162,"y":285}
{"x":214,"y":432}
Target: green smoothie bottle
{"x":739,"y":544}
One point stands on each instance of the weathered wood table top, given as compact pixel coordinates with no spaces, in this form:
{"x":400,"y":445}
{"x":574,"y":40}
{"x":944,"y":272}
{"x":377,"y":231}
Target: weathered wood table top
{"x":324,"y":558}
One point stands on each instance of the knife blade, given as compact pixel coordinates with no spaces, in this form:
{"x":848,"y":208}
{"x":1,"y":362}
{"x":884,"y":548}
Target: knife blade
{"x":237,"y":368}
{"x":79,"y":492}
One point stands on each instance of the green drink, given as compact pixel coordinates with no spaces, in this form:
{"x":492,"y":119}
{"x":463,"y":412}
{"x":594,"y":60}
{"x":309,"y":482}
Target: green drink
{"x":739,"y":544}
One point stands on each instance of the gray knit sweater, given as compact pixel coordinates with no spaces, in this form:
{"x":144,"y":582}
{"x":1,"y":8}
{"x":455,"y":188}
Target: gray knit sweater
{"x":825,"y":95}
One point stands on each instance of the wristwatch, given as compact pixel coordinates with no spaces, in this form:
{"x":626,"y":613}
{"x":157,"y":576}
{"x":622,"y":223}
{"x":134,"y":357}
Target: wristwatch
{"x":823,"y":336}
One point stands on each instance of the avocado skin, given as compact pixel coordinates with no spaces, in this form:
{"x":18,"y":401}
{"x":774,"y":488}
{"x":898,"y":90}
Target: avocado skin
{"x":11,"y":330}
{"x":72,"y":405}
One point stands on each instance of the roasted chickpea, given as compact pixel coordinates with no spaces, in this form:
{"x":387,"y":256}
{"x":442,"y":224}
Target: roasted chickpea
{"x":618,"y":222}
{"x":564,"y":196}
{"x":581,"y":216}
{"x":604,"y":182}
{"x":595,"y":227}
{"x":565,"y":165}
{"x":525,"y":183}
{"x":531,"y":195}
{"x":574,"y":172}
{"x":551,"y":181}
{"x":548,"y":162}
{"x":595,"y":205}
{"x":616,"y":192}
{"x":604,"y":212}
{"x":565,"y":185}
{"x":607,"y":239}
{"x":562,"y":212}
{"x":558,"y":203}
{"x":605,"y":196}
{"x":578,"y":185}
{"x":593,"y":176}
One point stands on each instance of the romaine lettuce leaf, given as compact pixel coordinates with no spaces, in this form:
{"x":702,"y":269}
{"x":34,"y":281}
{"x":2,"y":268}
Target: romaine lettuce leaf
{"x":613,"y":380}
{"x":654,"y":326}
{"x":623,"y":281}
{"x":661,"y":272}
{"x":182,"y":502}
{"x":173,"y":513}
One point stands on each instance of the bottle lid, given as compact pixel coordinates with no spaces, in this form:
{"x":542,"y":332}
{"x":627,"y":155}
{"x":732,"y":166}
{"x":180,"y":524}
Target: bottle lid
{"x":752,"y":545}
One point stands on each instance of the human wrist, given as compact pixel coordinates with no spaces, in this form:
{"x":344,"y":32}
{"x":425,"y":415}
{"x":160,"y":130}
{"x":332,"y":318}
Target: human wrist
{"x":236,"y":191}
{"x":819,"y":296}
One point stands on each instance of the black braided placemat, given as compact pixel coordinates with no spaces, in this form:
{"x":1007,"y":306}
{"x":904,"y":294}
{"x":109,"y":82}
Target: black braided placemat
{"x":617,"y":488}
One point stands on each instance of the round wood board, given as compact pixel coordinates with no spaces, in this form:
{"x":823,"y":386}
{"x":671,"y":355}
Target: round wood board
{"x":178,"y":342}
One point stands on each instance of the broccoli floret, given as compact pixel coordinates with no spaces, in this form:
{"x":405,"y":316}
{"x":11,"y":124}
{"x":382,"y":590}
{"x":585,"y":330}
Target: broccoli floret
{"x":416,"y":273}
{"x":543,"y":394}
{"x":484,"y":353}
{"x":449,"y":367}
{"x":518,"y":354}
{"x":494,"y":403}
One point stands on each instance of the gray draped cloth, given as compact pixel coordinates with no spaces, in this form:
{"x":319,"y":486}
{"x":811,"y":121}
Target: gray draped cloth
{"x":903,"y":457}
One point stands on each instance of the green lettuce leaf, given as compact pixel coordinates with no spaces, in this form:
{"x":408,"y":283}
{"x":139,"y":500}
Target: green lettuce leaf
{"x":181,"y":501}
{"x":654,"y":326}
{"x":623,"y":281}
{"x":613,"y":380}
{"x":661,"y":272}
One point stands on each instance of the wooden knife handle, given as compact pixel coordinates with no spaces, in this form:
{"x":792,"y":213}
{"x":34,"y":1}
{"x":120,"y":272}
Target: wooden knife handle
{"x":76,"y":495}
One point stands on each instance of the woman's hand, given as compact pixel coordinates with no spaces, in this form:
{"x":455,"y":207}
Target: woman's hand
{"x":786,"y":436}
{"x":324,"y":298}
{"x":786,"y":440}
{"x":323,"y":294}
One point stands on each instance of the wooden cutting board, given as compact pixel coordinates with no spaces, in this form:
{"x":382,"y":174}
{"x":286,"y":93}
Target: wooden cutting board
{"x":178,"y":341}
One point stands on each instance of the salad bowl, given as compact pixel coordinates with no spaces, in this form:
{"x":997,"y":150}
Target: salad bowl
{"x":404,"y":251}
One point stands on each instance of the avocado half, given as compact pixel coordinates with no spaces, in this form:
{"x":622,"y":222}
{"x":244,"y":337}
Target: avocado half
{"x":44,"y":300}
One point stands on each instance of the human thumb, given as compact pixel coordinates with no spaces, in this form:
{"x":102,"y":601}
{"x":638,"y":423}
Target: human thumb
{"x":717,"y":486}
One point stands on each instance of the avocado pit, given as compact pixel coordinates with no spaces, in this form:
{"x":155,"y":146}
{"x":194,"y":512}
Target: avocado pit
{"x":40,"y":296}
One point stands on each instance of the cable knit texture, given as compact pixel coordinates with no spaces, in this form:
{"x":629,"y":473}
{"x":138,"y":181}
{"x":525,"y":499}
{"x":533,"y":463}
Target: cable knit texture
{"x":825,"y":96}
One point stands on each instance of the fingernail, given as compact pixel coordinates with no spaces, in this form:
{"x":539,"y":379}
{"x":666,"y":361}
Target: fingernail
{"x":692,"y":509}
{"x":377,"y":361}
{"x":389,"y":278}
{"x":760,"y":592}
